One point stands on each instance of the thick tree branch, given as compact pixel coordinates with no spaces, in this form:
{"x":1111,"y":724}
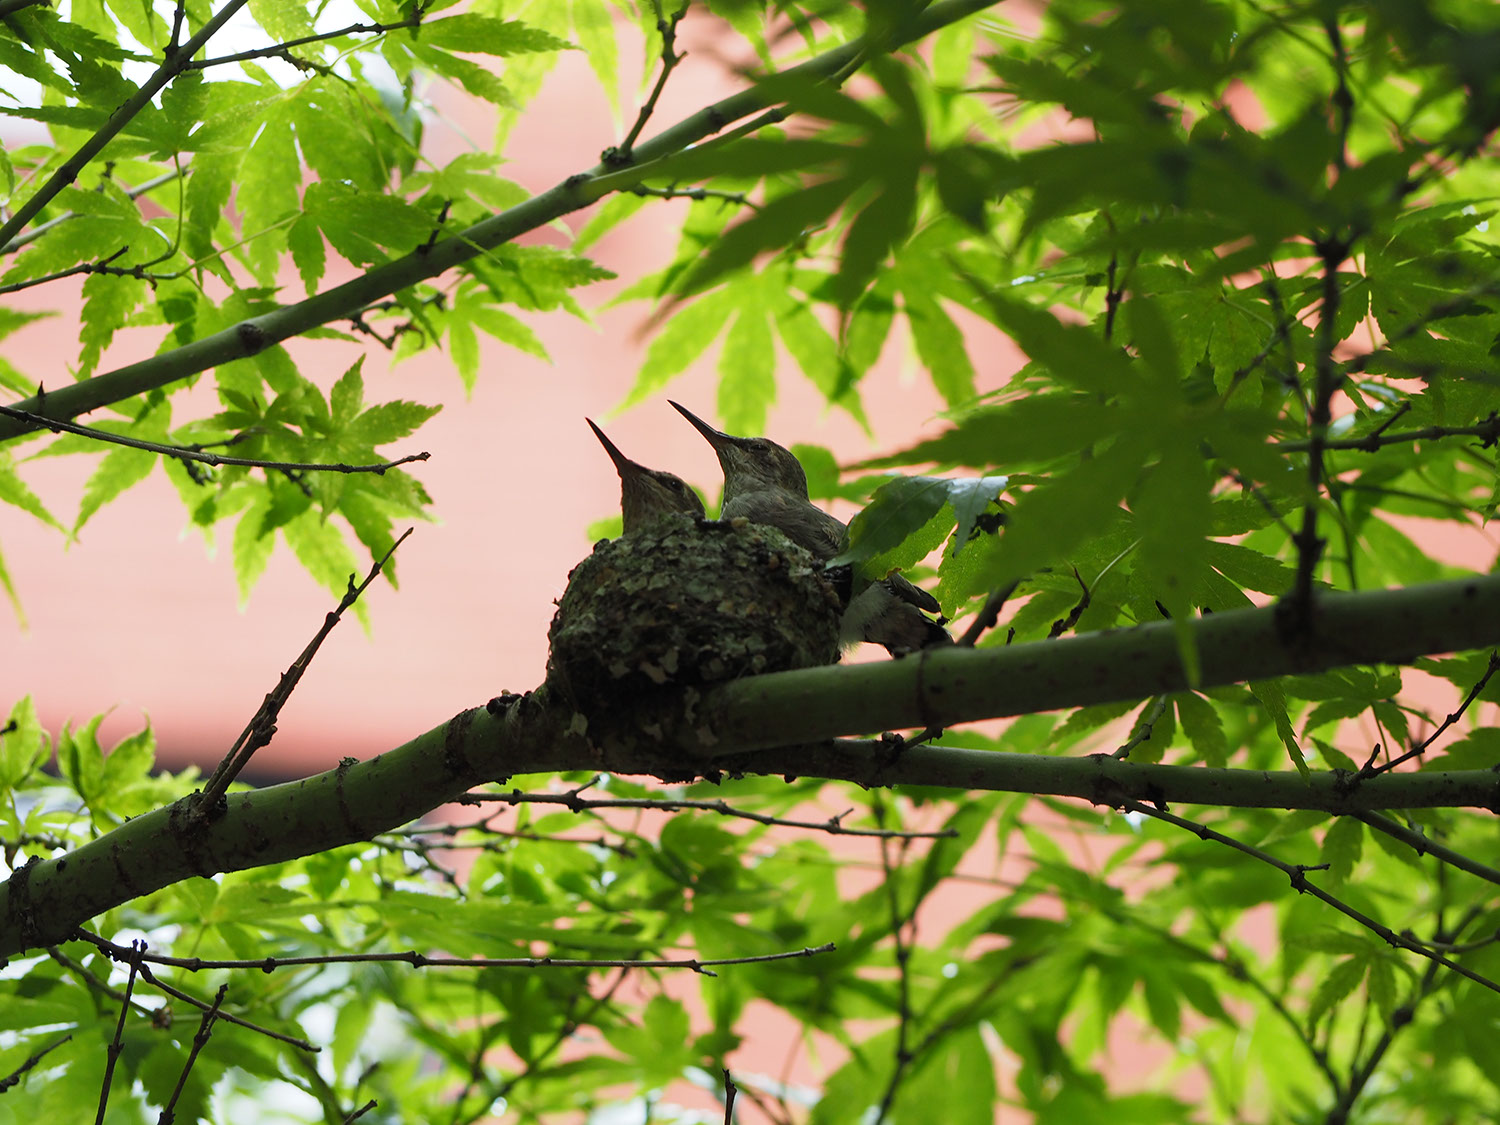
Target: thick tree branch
{"x":944,"y":686}
{"x":43,"y":902}
{"x":249,"y":337}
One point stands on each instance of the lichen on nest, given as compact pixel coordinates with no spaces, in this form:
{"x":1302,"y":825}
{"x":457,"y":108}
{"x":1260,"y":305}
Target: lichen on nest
{"x":677,"y":605}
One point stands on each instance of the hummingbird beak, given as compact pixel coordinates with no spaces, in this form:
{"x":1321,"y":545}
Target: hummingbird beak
{"x":716,"y":438}
{"x":623,"y":465}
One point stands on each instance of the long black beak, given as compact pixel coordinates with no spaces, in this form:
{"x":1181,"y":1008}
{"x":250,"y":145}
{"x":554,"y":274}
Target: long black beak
{"x":623,"y":465}
{"x":715,"y":438}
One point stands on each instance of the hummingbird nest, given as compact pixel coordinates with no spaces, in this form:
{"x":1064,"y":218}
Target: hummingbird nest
{"x":682,"y":603}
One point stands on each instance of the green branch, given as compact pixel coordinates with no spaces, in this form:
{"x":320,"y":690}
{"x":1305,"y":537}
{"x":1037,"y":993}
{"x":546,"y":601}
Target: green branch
{"x":943,"y":686}
{"x":44,"y":901}
{"x":254,"y":335}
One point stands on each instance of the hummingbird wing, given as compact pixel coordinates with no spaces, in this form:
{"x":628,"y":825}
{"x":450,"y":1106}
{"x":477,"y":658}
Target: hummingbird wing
{"x":877,"y":614}
{"x":823,"y":534}
{"x":811,"y":528}
{"x":912,"y":595}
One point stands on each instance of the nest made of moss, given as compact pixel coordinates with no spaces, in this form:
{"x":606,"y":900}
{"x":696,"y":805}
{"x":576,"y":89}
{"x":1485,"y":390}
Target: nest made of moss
{"x":680,"y":604}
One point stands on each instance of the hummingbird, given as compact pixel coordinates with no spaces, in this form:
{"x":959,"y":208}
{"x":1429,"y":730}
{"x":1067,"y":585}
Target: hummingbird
{"x":647,"y":494}
{"x":765,"y":483}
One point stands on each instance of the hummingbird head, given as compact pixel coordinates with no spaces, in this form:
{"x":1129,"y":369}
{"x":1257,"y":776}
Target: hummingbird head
{"x":647,"y":494}
{"x":751,"y":464}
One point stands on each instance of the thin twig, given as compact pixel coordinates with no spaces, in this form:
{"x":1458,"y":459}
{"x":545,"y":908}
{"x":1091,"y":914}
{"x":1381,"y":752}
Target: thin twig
{"x":423,"y":961}
{"x":625,"y":178}
{"x":121,"y":953}
{"x":262,"y":726}
{"x":197,"y":453}
{"x":1342,"y":98}
{"x":1063,"y":624}
{"x":131,"y":957}
{"x":179,"y":10}
{"x":227,"y":1017}
{"x":1113,"y":294}
{"x":697,"y":194}
{"x":92,"y":981}
{"x":1487,"y":431}
{"x":669,"y":60}
{"x":1331,"y":252}
{"x":200,"y":1040}
{"x":102,"y":266}
{"x":572,"y":801}
{"x":421,"y":845}
{"x":1297,"y":873}
{"x":1143,"y":728}
{"x":990,"y":614}
{"x":279,"y":50}
{"x":730,"y":1090}
{"x":20,"y":1072}
{"x":1400,"y":1017}
{"x":899,"y":920}
{"x":1422,"y":845}
{"x":1421,"y":748}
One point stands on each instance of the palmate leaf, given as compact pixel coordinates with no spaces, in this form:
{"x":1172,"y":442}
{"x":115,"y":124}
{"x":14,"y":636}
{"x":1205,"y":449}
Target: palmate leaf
{"x":305,"y":240}
{"x":1030,"y":431}
{"x":267,"y":191}
{"x":686,"y":336}
{"x":780,"y":223}
{"x":15,"y":491}
{"x":906,"y":505}
{"x":365,"y":227}
{"x":1272,"y":696}
{"x":253,"y":543}
{"x":1073,"y":354}
{"x":25,"y":744}
{"x":15,"y":602}
{"x":536,"y":277}
{"x":108,"y":303}
{"x":341,"y":142}
{"x":480,"y":34}
{"x":282,"y":19}
{"x":118,"y":470}
{"x":321,"y":549}
{"x":1046,"y":524}
{"x":752,"y":158}
{"x":878,"y":227}
{"x":107,"y":222}
{"x":1173,"y":517}
{"x":475,"y":79}
{"x":925,"y":277}
{"x":747,"y":364}
{"x":19,"y":56}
